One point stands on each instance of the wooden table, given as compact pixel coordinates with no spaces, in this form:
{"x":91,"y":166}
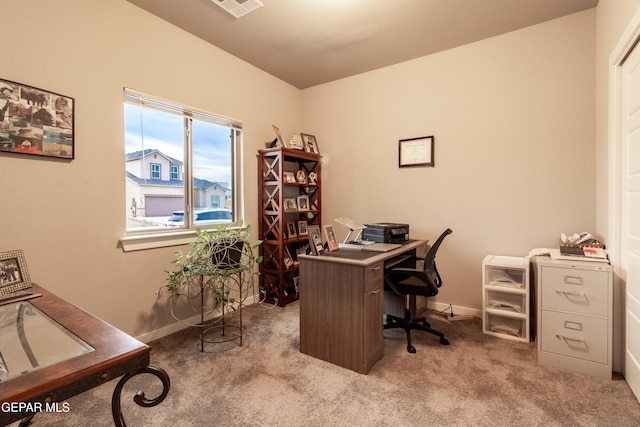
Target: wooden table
{"x":103,"y":353}
{"x":341,"y":304}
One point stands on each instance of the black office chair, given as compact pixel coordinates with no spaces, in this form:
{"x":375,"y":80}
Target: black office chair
{"x":412,"y":281}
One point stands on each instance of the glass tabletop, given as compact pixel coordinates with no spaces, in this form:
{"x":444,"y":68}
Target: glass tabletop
{"x":31,"y":340}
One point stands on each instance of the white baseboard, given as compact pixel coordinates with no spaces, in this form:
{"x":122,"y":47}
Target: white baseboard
{"x":177,"y":326}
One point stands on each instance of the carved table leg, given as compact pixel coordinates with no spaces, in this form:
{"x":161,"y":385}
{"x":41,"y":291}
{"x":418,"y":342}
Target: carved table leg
{"x":139,"y":398}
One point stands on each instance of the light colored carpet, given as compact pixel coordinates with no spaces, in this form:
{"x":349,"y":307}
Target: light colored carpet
{"x":478,"y":380}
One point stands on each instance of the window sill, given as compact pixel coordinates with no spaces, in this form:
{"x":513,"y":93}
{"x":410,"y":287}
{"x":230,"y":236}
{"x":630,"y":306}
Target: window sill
{"x":159,"y":240}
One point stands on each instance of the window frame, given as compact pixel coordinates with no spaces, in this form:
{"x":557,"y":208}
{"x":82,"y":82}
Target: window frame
{"x":154,"y":238}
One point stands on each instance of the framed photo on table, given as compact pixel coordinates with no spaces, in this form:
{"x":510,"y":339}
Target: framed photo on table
{"x":416,"y":152}
{"x":315,"y":240}
{"x":14,"y":275}
{"x":332,"y":243}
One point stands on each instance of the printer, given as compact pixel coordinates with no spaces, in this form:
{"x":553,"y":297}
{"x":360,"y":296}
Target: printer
{"x":386,"y":232}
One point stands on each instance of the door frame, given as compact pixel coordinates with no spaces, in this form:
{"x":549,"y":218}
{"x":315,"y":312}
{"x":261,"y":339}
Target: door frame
{"x":626,"y":43}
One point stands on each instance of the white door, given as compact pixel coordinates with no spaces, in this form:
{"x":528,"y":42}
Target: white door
{"x":630,"y":211}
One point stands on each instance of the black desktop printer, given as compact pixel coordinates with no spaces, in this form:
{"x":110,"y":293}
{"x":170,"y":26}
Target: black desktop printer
{"x":386,"y":232}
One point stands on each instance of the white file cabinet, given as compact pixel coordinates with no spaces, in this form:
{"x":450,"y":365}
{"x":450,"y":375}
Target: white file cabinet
{"x":575,"y":315}
{"x":505,"y":297}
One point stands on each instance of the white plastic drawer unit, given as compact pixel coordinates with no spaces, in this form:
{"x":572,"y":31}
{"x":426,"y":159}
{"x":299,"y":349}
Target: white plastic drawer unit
{"x":581,"y":337}
{"x":573,"y":290}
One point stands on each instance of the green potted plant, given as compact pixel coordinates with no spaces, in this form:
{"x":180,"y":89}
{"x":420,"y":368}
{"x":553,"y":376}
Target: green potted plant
{"x":214,"y":276}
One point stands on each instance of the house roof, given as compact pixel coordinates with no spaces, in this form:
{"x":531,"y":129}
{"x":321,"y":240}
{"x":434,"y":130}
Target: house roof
{"x":137,"y":155}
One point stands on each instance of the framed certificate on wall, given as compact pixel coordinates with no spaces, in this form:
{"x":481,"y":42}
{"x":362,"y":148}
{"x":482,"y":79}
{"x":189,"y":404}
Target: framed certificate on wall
{"x":416,"y":152}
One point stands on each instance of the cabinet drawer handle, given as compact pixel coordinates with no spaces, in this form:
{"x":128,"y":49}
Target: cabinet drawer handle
{"x":569,"y":293}
{"x":573,"y":280}
{"x":375,"y":292}
{"x":566,"y":338}
{"x":377,"y":268}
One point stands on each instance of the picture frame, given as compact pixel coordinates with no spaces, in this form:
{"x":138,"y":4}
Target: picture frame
{"x":330,"y":235}
{"x":14,"y":275}
{"x":291,"y":230}
{"x":289,"y":178}
{"x":288,"y":259}
{"x":35,"y":121}
{"x":290,"y":204}
{"x":303,"y":228}
{"x":303,"y":203}
{"x":280,"y":142}
{"x":315,"y":240}
{"x":310,"y":143}
{"x":416,"y":152}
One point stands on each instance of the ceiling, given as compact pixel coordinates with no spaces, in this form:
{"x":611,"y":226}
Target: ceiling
{"x":309,"y":42}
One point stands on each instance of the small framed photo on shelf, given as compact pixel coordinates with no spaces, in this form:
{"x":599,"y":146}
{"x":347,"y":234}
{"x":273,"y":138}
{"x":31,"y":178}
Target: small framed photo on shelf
{"x":310,"y":143}
{"x":330,"y":235}
{"x":280,"y":142}
{"x":288,"y":259}
{"x":290,"y":204}
{"x":289,"y":178}
{"x":302,"y":228}
{"x":14,"y":275}
{"x":416,"y":152}
{"x":303,"y":203}
{"x":291,"y":230}
{"x":315,"y":240}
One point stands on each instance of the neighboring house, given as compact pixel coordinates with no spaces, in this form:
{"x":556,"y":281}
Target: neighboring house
{"x":156,"y":182}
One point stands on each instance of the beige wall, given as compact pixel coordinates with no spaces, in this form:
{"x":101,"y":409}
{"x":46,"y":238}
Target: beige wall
{"x":513,"y":120}
{"x":68,"y":216}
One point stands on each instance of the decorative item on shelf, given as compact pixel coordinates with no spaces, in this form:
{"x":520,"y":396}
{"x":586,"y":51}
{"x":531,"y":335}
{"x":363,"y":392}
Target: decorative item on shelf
{"x":290,"y":204}
{"x":214,"y":276}
{"x":301,"y":176}
{"x":416,"y":152}
{"x":296,"y":142}
{"x":310,"y":143}
{"x":291,"y":230}
{"x":315,"y":240}
{"x":280,"y":142}
{"x":303,"y":203}
{"x":302,"y":228}
{"x":289,"y":178}
{"x":313,"y":177}
{"x":41,"y":121}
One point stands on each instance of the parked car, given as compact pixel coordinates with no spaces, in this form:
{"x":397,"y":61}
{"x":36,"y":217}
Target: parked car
{"x":202,"y":217}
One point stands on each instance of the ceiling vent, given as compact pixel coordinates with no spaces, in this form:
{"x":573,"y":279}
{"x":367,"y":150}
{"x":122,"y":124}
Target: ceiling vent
{"x":239,"y":8}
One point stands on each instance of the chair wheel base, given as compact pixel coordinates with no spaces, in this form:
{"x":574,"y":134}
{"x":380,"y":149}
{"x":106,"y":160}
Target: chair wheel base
{"x":444,"y":341}
{"x":411,"y":349}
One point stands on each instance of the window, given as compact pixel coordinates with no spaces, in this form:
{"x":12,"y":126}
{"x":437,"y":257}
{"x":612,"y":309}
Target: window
{"x":155,"y":171}
{"x":197,"y":153}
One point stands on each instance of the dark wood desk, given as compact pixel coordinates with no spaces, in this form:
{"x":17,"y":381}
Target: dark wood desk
{"x":111,"y":354}
{"x":341,"y":304}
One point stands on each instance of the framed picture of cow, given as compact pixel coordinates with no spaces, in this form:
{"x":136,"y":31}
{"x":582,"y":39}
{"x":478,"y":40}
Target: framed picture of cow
{"x":35,"y":121}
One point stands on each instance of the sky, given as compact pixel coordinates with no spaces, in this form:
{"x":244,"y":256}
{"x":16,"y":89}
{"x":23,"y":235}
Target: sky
{"x":164,"y":132}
